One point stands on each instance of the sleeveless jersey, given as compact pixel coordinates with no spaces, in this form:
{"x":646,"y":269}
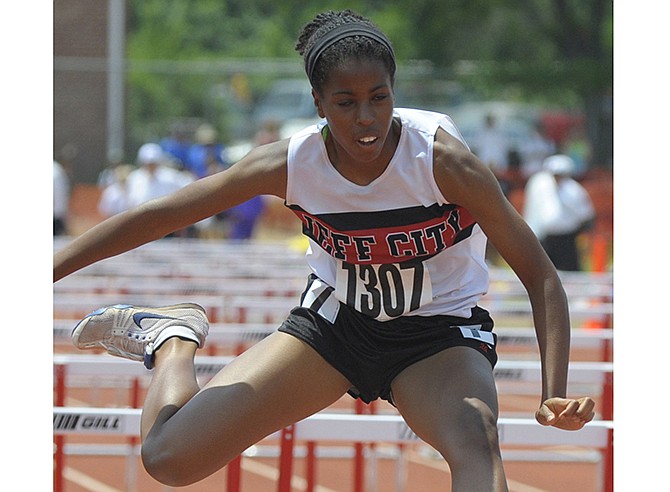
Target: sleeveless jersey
{"x":395,"y":246}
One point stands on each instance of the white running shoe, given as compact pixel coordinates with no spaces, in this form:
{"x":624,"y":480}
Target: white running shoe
{"x":136,"y":332}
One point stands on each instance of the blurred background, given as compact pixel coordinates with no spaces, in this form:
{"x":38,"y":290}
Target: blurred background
{"x":182,"y":73}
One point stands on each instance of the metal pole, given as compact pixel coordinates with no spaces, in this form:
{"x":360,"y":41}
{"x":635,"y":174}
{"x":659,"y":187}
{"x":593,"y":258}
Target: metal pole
{"x":131,"y":460}
{"x":116,"y":35}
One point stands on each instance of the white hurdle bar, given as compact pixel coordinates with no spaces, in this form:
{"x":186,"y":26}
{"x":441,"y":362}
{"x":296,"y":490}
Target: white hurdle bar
{"x":512,"y":430}
{"x":344,"y":427}
{"x":349,"y":428}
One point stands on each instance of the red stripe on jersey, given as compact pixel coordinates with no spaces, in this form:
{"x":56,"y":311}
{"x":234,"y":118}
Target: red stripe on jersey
{"x":391,"y":244}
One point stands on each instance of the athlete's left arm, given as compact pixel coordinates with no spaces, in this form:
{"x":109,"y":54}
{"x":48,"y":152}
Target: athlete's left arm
{"x":466,"y":181}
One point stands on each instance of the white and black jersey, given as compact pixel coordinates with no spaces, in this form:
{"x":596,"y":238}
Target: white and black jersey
{"x":393,"y":247}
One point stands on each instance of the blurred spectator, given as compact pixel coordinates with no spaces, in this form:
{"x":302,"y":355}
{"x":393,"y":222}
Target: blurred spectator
{"x":558,"y":209}
{"x":535,"y":150}
{"x":205,"y":156}
{"x":243,"y":218}
{"x":240,"y":222}
{"x":61,"y":199}
{"x":108,"y":175}
{"x":267,"y":133}
{"x":114,"y":198}
{"x":153,"y":178}
{"x":177,"y":145}
{"x":491,"y":146}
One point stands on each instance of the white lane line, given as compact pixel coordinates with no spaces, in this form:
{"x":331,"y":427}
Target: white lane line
{"x":87,"y":482}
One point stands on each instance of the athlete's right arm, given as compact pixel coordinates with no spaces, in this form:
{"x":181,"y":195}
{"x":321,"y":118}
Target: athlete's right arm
{"x":261,"y":172}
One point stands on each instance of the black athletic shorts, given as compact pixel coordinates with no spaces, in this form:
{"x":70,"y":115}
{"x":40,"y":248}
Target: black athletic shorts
{"x":371,"y":353}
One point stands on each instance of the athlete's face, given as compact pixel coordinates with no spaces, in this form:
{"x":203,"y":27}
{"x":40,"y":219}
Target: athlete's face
{"x":357,"y":100}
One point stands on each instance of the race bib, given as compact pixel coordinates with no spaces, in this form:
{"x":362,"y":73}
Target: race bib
{"x":384,"y":291}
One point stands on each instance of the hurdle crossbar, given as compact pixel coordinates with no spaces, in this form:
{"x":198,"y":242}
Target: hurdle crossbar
{"x":350,"y":428}
{"x":339,"y":427}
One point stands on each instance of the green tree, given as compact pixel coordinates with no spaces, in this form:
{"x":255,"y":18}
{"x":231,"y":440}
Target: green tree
{"x":557,"y":51}
{"x":554,"y":51}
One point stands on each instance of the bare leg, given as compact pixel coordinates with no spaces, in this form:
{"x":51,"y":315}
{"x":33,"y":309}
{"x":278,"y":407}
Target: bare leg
{"x":189,"y":433}
{"x":449,"y":400}
{"x":173,"y":382}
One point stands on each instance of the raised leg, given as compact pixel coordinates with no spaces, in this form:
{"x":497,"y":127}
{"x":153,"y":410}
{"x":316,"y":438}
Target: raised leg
{"x":189,"y":433}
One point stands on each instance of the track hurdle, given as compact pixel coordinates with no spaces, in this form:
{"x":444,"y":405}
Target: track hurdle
{"x":338,"y":427}
{"x":94,"y":366}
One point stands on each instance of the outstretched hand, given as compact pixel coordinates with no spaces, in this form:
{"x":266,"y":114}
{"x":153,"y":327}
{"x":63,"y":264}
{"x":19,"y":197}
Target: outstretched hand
{"x":565,"y":413}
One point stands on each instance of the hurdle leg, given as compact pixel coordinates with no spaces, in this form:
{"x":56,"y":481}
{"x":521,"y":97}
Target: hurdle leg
{"x":286,"y":459}
{"x":608,"y":483}
{"x":401,"y":469}
{"x":311,"y":466}
{"x":371,"y":468}
{"x":233,"y":475}
{"x":59,"y":458}
{"x":131,"y":475}
{"x":608,"y":414}
{"x":359,"y":467}
{"x":359,"y":458}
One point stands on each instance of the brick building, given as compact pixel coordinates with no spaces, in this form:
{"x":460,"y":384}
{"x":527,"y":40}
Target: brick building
{"x":80,"y":78}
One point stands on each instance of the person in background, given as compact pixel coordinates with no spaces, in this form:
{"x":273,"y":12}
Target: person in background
{"x":155,"y":178}
{"x":61,"y":199}
{"x":177,"y":144}
{"x":239,"y":222}
{"x":206,"y":155}
{"x":492,"y":148}
{"x":268,"y":132}
{"x":243,"y":218}
{"x":558,"y":209}
{"x":114,"y":198}
{"x":108,"y":174}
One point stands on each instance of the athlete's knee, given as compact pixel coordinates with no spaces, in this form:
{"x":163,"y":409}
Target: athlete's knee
{"x":168,"y":467}
{"x":162,"y":463}
{"x":476,"y":434}
{"x":485,"y":419}
{"x":171,"y":465}
{"x":173,"y":462}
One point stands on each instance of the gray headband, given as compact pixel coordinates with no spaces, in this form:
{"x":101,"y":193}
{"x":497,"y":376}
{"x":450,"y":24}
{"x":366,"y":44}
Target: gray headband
{"x":339,"y":33}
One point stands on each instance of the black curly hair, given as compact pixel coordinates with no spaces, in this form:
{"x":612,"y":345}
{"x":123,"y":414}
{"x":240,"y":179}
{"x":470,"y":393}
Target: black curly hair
{"x":361,"y":47}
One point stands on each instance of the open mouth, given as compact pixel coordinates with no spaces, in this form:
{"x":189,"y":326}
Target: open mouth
{"x":367,"y":140}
